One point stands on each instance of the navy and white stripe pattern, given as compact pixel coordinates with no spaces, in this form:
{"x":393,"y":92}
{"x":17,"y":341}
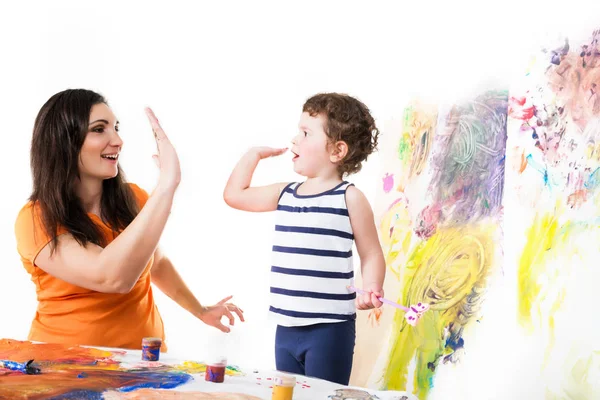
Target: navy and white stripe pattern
{"x":312,"y":258}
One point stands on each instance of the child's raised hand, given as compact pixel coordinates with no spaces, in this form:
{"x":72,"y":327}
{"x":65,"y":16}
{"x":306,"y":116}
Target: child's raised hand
{"x":266,"y":152}
{"x":370,"y":299}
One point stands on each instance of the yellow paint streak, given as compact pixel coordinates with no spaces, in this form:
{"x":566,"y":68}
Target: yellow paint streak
{"x":540,"y":238}
{"x":557,"y":303}
{"x":584,"y":377}
{"x":449,"y":272}
{"x":193,"y":367}
{"x":396,"y":236}
{"x":552,"y":257}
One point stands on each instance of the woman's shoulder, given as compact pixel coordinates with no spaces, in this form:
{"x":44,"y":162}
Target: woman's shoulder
{"x":29,"y":214}
{"x":30,"y":234}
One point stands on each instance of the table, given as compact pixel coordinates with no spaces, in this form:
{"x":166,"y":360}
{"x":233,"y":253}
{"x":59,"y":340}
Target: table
{"x":110,"y":374}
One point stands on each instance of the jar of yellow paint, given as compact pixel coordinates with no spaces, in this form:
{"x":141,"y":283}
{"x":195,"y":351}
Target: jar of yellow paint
{"x":283,"y":387}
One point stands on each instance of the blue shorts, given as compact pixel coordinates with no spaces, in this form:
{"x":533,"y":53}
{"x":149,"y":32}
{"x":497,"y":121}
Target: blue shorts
{"x":323,"y":351}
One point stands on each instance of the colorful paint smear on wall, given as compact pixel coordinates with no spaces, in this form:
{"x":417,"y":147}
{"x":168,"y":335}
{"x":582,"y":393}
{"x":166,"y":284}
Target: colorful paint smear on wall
{"x":415,"y":142}
{"x":440,"y":228}
{"x":554,"y":148}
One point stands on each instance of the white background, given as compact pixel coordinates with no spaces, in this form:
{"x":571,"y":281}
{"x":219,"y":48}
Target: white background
{"x":223,"y":77}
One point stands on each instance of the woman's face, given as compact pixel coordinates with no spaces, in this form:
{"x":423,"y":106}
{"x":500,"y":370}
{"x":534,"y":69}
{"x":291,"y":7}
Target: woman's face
{"x":99,"y":155}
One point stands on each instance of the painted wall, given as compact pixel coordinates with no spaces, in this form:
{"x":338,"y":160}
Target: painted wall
{"x":507,"y":262}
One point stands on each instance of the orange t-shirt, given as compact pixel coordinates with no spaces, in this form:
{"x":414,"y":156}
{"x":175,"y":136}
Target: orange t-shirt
{"x":70,"y":314}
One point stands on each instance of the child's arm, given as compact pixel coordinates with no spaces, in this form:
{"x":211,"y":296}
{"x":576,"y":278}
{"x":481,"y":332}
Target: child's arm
{"x":372,"y":263}
{"x":238,"y":193}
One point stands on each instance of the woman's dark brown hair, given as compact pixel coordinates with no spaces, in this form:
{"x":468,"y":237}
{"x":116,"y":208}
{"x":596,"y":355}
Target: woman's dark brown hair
{"x":58,"y":135}
{"x":348,"y":120}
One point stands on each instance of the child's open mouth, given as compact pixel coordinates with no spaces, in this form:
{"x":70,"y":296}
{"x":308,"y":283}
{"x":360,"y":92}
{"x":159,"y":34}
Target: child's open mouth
{"x":295,"y":157}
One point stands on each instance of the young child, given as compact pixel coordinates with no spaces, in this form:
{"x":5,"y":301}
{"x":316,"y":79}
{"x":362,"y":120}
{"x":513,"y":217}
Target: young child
{"x":316,"y":223}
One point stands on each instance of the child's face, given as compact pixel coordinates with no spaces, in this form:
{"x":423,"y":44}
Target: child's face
{"x":310,"y":147}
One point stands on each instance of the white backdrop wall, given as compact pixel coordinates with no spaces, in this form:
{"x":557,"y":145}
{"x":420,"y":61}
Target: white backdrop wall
{"x":223,"y":77}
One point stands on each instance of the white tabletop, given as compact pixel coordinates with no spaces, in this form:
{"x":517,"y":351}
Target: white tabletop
{"x":257,"y":382}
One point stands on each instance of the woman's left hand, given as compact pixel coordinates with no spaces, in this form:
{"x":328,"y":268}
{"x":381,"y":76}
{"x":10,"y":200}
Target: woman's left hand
{"x":212,"y":315}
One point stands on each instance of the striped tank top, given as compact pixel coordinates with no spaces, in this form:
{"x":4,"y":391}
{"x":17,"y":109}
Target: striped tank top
{"x":312,"y":258}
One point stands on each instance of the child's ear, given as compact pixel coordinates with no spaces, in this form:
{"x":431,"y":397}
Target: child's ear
{"x":339,"y":150}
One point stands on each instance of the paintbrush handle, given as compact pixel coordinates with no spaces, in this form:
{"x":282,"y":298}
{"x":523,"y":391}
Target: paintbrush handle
{"x":381,"y":299}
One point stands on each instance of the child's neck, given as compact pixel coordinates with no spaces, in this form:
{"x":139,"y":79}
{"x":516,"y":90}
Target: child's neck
{"x":319,"y":184}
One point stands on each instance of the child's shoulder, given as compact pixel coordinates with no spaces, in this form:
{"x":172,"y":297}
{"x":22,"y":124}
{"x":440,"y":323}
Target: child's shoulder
{"x":355,"y":198}
{"x":285,"y":187}
{"x":351,"y":187}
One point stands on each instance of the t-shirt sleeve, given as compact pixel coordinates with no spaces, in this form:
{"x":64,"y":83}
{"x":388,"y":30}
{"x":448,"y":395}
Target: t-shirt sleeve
{"x":140,"y":194}
{"x":30,"y":233}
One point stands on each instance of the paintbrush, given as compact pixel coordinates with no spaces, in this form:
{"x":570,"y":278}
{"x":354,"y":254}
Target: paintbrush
{"x":413,"y":313}
{"x":27,"y":368}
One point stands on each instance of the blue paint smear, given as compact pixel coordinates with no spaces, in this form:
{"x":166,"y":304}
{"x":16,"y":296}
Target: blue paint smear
{"x":542,"y":170}
{"x":593,"y":181}
{"x":158,"y":380}
{"x":13,"y":365}
{"x":455,"y":344}
{"x":538,"y":167}
{"x":79,"y":395}
{"x":152,"y":380}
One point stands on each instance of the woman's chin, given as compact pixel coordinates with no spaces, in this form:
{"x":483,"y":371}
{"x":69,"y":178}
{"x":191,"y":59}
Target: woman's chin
{"x":110,"y":175}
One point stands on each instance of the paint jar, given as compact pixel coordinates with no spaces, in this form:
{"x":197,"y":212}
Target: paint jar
{"x":215,"y":370}
{"x":151,"y":348}
{"x":283,"y":387}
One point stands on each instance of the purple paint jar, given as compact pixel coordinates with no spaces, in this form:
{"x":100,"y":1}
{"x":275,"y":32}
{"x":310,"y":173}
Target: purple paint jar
{"x":215,"y":370}
{"x":151,"y":348}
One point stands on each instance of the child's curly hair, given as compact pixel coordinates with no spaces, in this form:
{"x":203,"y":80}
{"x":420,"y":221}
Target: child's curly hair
{"x":348,"y":120}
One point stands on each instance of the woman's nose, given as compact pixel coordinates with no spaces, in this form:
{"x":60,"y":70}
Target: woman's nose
{"x":116,"y":140}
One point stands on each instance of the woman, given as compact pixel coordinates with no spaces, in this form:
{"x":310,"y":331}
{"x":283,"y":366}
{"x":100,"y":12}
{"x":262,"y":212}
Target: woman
{"x":90,"y":240}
